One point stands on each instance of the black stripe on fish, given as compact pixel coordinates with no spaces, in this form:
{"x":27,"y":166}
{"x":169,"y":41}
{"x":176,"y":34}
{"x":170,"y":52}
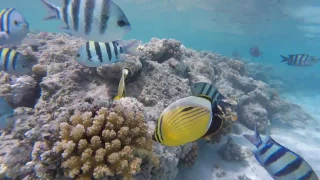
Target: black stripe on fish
{"x":307,"y":176}
{"x":289,"y":168}
{"x":121,"y":50}
{"x":275,"y":156}
{"x":6,"y":57}
{"x":98,"y":51}
{"x":305,"y":59}
{"x":115,"y":48}
{"x":88,"y":15}
{"x":104,"y":16}
{"x":14,"y":60}
{"x":8,"y":19}
{"x":75,"y":14}
{"x":208,"y":91}
{"x":265,"y":148}
{"x":2,"y":19}
{"x":215,"y":125}
{"x":4,"y":61}
{"x":186,"y":119}
{"x":88,"y":51}
{"x":108,"y":51}
{"x":296,"y":59}
{"x":160,"y":129}
{"x":177,"y":114}
{"x":301,"y":58}
{"x":65,"y":12}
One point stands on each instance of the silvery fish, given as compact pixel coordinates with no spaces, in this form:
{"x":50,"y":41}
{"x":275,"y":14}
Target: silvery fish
{"x":97,"y":54}
{"x":93,"y":20}
{"x":13,"y":62}
{"x":6,"y":114}
{"x":280,"y":162}
{"x":13,"y":27}
{"x":300,"y":60}
{"x":122,"y":85}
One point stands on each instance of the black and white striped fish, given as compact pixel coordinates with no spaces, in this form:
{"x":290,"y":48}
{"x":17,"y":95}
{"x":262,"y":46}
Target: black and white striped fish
{"x":13,"y":27}
{"x":97,"y":54}
{"x":13,"y":62}
{"x":300,"y":60}
{"x":93,"y":20}
{"x":206,"y":90}
{"x":280,"y":162}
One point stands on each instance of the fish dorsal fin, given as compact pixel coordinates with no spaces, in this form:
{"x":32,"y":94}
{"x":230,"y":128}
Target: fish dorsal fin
{"x":216,"y":123}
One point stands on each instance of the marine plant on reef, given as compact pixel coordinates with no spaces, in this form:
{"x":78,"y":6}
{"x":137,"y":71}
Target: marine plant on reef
{"x":111,"y":142}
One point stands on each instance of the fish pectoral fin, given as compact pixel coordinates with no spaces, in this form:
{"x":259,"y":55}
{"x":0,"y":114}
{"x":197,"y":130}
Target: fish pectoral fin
{"x":4,"y":35}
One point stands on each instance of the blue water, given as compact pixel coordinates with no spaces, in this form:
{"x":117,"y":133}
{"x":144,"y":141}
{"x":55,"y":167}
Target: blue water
{"x":275,"y":26}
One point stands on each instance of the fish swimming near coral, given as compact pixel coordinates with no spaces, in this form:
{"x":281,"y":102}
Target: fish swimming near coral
{"x":280,"y":162}
{"x":97,"y":54}
{"x":255,"y":51}
{"x":122,"y":86}
{"x":6,"y":114}
{"x":302,"y":60}
{"x":189,"y":119}
{"x":12,"y":62}
{"x":93,"y":20}
{"x":13,"y":27}
{"x":206,"y":90}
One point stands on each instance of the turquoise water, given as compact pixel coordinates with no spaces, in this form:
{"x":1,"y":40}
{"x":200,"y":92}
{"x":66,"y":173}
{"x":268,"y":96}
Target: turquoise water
{"x":275,"y":26}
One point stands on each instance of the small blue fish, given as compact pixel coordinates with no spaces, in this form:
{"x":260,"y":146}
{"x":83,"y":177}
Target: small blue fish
{"x":12,"y":62}
{"x":97,"y":54}
{"x":13,"y":27}
{"x":280,"y":162}
{"x":300,"y":60}
{"x":6,"y":114}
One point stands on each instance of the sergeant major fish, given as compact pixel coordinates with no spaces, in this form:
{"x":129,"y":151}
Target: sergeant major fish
{"x":280,"y":162}
{"x":122,"y":86}
{"x":13,"y":27}
{"x":300,"y":60}
{"x":93,"y":20}
{"x":190,"y":118}
{"x":96,"y":54}
{"x":13,"y":62}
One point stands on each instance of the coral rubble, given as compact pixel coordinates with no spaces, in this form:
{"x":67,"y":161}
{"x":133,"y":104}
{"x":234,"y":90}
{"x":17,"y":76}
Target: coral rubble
{"x":74,"y":130}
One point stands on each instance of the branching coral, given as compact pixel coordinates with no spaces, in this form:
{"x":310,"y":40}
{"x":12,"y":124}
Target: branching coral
{"x":113,"y":142}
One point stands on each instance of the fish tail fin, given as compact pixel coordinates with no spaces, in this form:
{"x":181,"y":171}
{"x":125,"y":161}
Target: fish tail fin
{"x":284,"y":58}
{"x":117,"y":98}
{"x":255,"y":138}
{"x":132,"y":48}
{"x":54,"y":12}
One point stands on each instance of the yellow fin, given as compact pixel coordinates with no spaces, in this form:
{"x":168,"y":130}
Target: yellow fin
{"x":117,"y":98}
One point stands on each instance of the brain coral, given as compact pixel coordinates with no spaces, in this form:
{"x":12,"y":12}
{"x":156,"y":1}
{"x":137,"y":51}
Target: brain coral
{"x":109,"y":142}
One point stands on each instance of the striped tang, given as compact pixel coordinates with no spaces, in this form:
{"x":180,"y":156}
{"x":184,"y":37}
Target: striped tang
{"x":300,"y":60}
{"x":13,"y":62}
{"x":187,"y":120}
{"x":13,"y":27}
{"x":93,"y":20}
{"x":206,"y":90}
{"x":97,"y":54}
{"x":280,"y":162}
{"x":122,"y":86}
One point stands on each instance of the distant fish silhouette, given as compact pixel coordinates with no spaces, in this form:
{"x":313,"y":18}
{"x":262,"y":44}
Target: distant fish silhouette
{"x":300,"y":60}
{"x":255,"y":51}
{"x":236,"y":54}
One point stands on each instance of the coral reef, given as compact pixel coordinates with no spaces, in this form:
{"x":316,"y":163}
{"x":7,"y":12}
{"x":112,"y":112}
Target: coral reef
{"x":104,"y":145}
{"x":162,"y":74}
{"x":189,"y":159}
{"x":231,"y":151}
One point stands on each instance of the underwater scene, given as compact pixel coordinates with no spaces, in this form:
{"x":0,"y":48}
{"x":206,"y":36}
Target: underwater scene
{"x":159,"y":90}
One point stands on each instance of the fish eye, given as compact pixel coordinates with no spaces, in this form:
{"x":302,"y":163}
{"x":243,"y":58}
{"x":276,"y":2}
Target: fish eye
{"x":121,"y":23}
{"x":78,"y":55}
{"x":24,"y":66}
{"x":15,"y":22}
